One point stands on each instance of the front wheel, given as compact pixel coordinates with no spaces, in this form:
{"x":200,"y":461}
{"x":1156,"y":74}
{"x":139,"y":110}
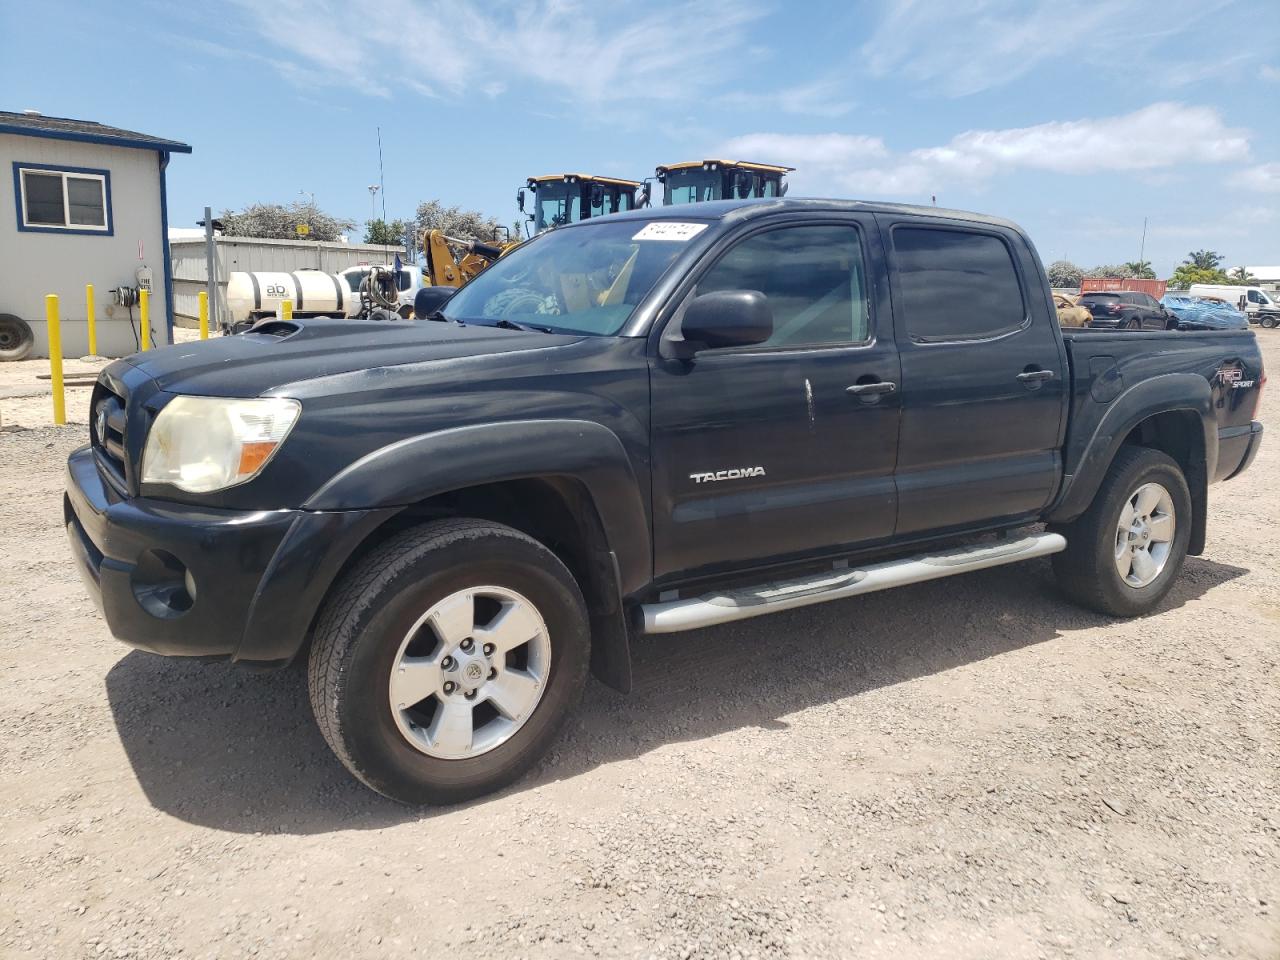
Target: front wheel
{"x":1124,"y":553}
{"x":446,"y":661}
{"x":1268,"y":322}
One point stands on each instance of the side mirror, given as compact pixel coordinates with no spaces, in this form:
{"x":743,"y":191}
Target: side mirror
{"x":520,"y":199}
{"x":726,"y":318}
{"x":428,"y":301}
{"x":782,"y":189}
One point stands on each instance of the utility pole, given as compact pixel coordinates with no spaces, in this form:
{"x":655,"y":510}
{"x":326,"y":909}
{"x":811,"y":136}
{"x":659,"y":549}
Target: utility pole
{"x":1142,"y":248}
{"x":211,"y":266}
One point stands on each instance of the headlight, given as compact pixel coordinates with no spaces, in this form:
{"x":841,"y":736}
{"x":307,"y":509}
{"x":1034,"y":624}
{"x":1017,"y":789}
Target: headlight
{"x":202,"y":444}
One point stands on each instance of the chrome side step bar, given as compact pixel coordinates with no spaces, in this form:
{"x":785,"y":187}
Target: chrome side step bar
{"x":676,"y":615}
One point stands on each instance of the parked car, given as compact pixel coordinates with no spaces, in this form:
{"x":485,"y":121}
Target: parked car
{"x":644,"y":423}
{"x":1070,"y":313}
{"x":1262,"y":306}
{"x":1199,"y":313}
{"x":1127,"y":310}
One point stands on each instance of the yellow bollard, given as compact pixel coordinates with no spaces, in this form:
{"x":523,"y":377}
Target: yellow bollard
{"x":204,"y":314}
{"x":55,"y":358}
{"x":93,"y":321}
{"x":144,"y":311}
{"x":286,"y":310}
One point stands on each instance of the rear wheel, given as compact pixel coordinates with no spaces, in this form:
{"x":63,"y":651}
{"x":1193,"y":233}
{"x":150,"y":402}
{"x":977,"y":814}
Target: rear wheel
{"x":1124,"y":553}
{"x":1268,"y":322}
{"x":446,"y":661}
{"x":1133,"y":324}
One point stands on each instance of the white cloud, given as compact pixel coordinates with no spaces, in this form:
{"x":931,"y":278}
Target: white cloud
{"x":1268,"y":72}
{"x":588,"y":52}
{"x":1264,"y":178}
{"x":964,"y":48}
{"x":821,"y":98}
{"x":865,"y":166}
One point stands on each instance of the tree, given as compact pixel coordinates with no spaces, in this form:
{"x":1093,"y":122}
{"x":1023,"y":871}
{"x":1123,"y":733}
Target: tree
{"x":456,"y":222}
{"x":275,"y":221}
{"x":1064,"y":274}
{"x":1186,"y":274}
{"x":1141,"y":269}
{"x":1112,"y":270}
{"x":1204,"y":259}
{"x":1241,"y":275}
{"x":392,"y":234}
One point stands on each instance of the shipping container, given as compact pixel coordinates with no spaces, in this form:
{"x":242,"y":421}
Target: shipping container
{"x":1153,"y":288}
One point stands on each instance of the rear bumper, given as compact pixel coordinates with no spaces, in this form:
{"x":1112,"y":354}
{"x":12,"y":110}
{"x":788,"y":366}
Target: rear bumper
{"x":1106,"y":323}
{"x":1237,"y":447}
{"x":189,"y":581}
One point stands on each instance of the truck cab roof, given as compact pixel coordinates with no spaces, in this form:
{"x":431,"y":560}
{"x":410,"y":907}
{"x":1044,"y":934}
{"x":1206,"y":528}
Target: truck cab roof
{"x":737,"y":210}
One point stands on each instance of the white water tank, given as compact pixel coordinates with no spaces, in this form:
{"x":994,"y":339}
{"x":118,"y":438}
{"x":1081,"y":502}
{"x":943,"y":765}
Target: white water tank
{"x":314,"y":294}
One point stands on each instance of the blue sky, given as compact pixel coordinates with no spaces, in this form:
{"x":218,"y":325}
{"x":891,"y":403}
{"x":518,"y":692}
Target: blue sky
{"x":1075,"y":119}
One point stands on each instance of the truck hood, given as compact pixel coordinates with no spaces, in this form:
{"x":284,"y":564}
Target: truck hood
{"x":281,"y":352}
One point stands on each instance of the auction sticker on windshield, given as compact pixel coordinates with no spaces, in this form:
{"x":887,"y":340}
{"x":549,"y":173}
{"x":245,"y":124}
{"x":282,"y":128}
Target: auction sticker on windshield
{"x":663,"y":230}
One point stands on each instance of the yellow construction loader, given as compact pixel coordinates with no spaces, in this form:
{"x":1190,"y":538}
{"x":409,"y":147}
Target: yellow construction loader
{"x":695,"y":181}
{"x":443,"y":269}
{"x":560,"y":198}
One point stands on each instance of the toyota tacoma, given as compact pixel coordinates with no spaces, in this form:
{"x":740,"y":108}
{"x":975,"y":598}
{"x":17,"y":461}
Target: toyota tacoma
{"x":650,"y":422}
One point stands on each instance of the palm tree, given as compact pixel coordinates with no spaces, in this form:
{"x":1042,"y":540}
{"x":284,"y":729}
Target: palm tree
{"x":1204,"y":259}
{"x":1141,"y":269}
{"x":1242,"y":275}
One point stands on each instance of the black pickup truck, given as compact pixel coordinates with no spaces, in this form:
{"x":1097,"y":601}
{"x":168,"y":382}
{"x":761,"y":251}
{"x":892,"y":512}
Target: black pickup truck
{"x":648,"y":422}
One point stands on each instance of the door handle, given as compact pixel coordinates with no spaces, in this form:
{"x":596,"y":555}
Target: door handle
{"x":1033,"y":375}
{"x":880,"y":386}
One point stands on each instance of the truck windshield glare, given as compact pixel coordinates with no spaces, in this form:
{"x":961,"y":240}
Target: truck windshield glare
{"x":585,"y":279}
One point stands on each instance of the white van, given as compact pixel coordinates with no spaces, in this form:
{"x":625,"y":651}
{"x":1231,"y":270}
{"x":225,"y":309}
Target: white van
{"x":1261,"y":306}
{"x":408,"y":283}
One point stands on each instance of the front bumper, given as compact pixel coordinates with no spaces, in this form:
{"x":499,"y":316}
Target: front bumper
{"x":183,"y":580}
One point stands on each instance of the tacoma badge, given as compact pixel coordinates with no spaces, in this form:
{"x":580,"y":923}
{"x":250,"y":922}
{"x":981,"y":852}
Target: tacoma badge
{"x":737,"y":473}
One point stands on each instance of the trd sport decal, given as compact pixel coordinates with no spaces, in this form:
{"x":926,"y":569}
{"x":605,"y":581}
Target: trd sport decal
{"x":1232,"y":376}
{"x":737,"y":473}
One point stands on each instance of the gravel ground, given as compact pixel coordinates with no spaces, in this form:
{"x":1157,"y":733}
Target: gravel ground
{"x":970,"y":768}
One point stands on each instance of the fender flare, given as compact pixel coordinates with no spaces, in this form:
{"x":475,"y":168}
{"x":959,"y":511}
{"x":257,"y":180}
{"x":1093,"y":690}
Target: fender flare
{"x":1167,"y":393}
{"x":416,"y":468}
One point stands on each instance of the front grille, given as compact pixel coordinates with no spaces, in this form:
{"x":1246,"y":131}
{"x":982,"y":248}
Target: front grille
{"x":106,"y":430}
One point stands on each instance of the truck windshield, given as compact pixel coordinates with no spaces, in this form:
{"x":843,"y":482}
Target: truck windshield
{"x":692,"y":186}
{"x":558,"y":204}
{"x":585,"y":280}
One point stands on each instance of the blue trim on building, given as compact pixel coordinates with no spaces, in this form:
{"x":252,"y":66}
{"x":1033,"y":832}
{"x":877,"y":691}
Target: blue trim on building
{"x":19,"y":166}
{"x":162,"y":146}
{"x":164,"y":232}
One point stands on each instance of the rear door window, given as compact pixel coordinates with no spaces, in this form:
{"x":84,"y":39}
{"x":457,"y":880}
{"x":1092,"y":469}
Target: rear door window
{"x":957,"y":284}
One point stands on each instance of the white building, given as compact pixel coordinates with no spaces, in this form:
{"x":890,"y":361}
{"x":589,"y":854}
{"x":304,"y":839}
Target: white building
{"x":88,"y":205}
{"x":1268,"y":278}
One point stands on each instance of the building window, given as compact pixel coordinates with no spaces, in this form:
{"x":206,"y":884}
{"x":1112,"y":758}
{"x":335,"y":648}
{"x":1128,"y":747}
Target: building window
{"x":62,"y":199}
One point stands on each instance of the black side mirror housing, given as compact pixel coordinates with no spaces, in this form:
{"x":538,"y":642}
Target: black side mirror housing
{"x":429,"y":300}
{"x":725,"y":318}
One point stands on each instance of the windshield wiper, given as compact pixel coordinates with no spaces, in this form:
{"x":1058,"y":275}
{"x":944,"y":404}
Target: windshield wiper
{"x":506,"y":324}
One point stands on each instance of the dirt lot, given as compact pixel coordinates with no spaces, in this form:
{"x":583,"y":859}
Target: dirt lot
{"x":969,"y":768}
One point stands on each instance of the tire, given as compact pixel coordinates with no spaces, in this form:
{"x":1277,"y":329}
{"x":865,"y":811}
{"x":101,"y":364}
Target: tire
{"x":1133,"y":323}
{"x":1268,"y":322}
{"x":378,"y":611}
{"x":1088,"y":570}
{"x":16,"y":338}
